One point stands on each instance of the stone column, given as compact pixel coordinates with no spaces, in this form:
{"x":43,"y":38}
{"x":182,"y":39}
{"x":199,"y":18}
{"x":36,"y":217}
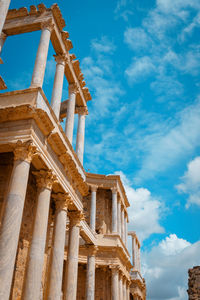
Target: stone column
{"x":58,"y":84}
{"x":124,"y":288}
{"x":70,"y":288}
{"x":114,"y":210}
{"x":4,"y":5}
{"x":45,"y":181}
{"x":120,"y":287}
{"x":128,"y":290}
{"x":41,"y":58}
{"x":115,"y":283}
{"x":12,"y":217}
{"x":125,"y":230}
{"x":55,"y":282}
{"x":122,"y":224}
{"x":119,"y":217}
{"x":2,"y":40}
{"x":90,"y":277}
{"x":93,"y":207}
{"x":69,"y":126}
{"x":81,"y":134}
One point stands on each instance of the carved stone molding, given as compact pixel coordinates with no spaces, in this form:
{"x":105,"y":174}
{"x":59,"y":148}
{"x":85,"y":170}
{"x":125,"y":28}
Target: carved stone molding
{"x":3,"y":36}
{"x":45,"y":179}
{"x":24,"y":151}
{"x":114,"y":269}
{"x":75,"y":218}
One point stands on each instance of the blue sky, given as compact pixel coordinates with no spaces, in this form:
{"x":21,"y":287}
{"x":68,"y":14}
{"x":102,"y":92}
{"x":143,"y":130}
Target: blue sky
{"x":141,"y":62}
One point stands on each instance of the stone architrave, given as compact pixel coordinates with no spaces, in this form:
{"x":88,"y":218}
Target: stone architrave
{"x":80,"y":137}
{"x":4,"y":5}
{"x":58,"y":84}
{"x":41,"y":58}
{"x":69,"y":126}
{"x":45,"y":180}
{"x":70,"y":286}
{"x":93,"y":207}
{"x":90,"y":277}
{"x":55,"y":282}
{"x":115,"y":282}
{"x":11,"y":222}
{"x":114,"y":210}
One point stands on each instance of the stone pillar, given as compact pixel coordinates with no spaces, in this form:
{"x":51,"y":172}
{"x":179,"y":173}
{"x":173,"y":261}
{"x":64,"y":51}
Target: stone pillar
{"x":122,"y":224}
{"x":58,"y":84}
{"x":69,"y":126}
{"x":120,"y":287}
{"x":81,"y":134}
{"x":128,"y":290}
{"x":55,"y":282}
{"x":70,"y":288}
{"x":4,"y":5}
{"x":115,"y":283}
{"x":12,"y":217}
{"x":90,"y":277}
{"x":93,"y":207}
{"x":124,"y":288}
{"x":114,"y":210}
{"x":41,"y":58}
{"x":2,"y":40}
{"x":45,"y":181}
{"x":125,"y":230}
{"x":119,"y":217}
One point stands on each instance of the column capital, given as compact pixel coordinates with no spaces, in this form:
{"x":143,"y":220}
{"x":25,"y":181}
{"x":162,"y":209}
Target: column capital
{"x":114,"y":269}
{"x":73,"y":88}
{"x":45,"y":179}
{"x":76,"y":217}
{"x":114,"y":190}
{"x":82,"y":110}
{"x":92,"y":250}
{"x":47,"y":25}
{"x":93,"y":187}
{"x":24,"y":151}
{"x":62,"y":201}
{"x":60,"y":58}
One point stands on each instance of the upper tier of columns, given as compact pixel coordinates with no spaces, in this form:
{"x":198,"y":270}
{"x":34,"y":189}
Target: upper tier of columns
{"x":135,"y":251}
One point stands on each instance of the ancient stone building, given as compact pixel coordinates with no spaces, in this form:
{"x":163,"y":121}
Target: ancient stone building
{"x":194,"y":283}
{"x":63,"y":232}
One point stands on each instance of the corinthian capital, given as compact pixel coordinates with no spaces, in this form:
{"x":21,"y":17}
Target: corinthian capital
{"x":62,"y":201}
{"x":73,"y":88}
{"x":75,"y":218}
{"x":24,"y":151}
{"x":61,"y":58}
{"x":45,"y":179}
{"x":48,"y":25}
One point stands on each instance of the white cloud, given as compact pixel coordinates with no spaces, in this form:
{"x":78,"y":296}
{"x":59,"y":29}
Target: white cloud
{"x":140,"y":68}
{"x":145,"y":210}
{"x":103,"y":45}
{"x":124,"y":9}
{"x":137,"y":39}
{"x":166,"y":268}
{"x":191,"y":182}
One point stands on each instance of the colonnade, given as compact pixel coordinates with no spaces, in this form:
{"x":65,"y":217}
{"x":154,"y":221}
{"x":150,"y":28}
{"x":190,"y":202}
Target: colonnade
{"x":119,"y":214}
{"x":10,"y":230}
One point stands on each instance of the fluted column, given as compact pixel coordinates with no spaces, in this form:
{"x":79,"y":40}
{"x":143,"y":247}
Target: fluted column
{"x":70,"y":288}
{"x":90,"y":276}
{"x":4,"y":5}
{"x":12,"y":217}
{"x":93,"y":207}
{"x":115,"y":283}
{"x":122,"y":224}
{"x":41,"y":58}
{"x":45,"y":181}
{"x":58,"y":84}
{"x":120,"y":287}
{"x":55,"y":282}
{"x":119,"y":216}
{"x":114,"y":210}
{"x":69,"y":126}
{"x":80,"y":137}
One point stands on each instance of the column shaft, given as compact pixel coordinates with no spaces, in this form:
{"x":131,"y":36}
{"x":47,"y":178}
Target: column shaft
{"x":128,"y":292}
{"x":93,"y":208}
{"x":11,"y":223}
{"x":70,"y":289}
{"x":55,"y":283}
{"x":41,"y":58}
{"x":115,"y":285}
{"x":120,"y":288}
{"x":124,"y":289}
{"x":119,"y":217}
{"x":4,"y":5}
{"x":80,"y":137}
{"x":69,"y":126}
{"x":114,"y":210}
{"x":122,"y":224}
{"x":58,"y":85}
{"x":90,"y":278}
{"x":125,"y":230}
{"x":36,"y":255}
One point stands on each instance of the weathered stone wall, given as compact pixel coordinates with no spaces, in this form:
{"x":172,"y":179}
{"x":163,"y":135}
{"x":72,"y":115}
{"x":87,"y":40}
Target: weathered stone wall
{"x":103,"y":284}
{"x":194,"y":283}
